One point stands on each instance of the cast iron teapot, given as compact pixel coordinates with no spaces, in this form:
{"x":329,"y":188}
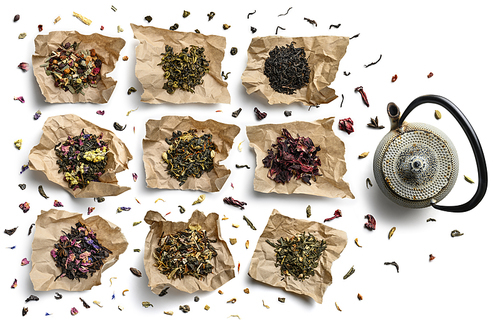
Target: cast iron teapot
{"x":416,"y":165}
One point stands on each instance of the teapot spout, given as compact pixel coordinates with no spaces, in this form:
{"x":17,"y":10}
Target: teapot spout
{"x":394,"y":114}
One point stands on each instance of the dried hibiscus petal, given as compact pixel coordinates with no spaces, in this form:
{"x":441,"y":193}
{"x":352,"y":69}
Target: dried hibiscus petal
{"x":336,"y":214}
{"x":346,"y":125}
{"x":371,"y":223}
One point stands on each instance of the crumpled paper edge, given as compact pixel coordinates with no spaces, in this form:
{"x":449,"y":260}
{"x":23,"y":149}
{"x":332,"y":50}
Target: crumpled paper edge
{"x":333,"y":166}
{"x":324,"y":54}
{"x":263,"y":269}
{"x":44,"y":240}
{"x":42,"y":157}
{"x":223,"y":263}
{"x":108,"y":50}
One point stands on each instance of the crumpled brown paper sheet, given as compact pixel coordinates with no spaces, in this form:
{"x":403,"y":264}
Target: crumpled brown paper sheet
{"x":56,"y":129}
{"x":154,"y":145}
{"x":324,"y":54}
{"x":150,"y":74}
{"x":108,"y":50}
{"x":262,"y":266}
{"x":48,"y":228}
{"x":223,"y":263}
{"x":333,"y":166}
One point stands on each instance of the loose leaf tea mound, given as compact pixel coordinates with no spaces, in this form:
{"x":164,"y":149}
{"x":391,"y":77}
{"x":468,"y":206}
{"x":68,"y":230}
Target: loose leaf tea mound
{"x":82,"y":159}
{"x":78,"y":253}
{"x":73,"y":70}
{"x":287,"y":69}
{"x":189,"y":155}
{"x":187,"y":252}
{"x":293,"y":157}
{"x":298,"y":256}
{"x":184,"y":70}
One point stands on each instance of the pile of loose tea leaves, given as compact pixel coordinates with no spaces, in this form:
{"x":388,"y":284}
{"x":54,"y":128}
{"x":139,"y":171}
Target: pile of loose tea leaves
{"x":292,"y":157}
{"x":184,"y":70}
{"x":189,"y":155}
{"x":187,"y":252}
{"x":82,"y":159}
{"x":78,"y":253}
{"x":73,"y":70}
{"x":287,"y":69}
{"x":298,"y":256}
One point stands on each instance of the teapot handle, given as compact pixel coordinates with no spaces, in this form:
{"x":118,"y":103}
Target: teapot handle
{"x":474,"y":141}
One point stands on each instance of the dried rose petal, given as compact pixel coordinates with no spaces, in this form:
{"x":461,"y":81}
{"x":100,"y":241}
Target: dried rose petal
{"x":73,"y":311}
{"x":134,"y":177}
{"x":24,"y":66}
{"x":37,"y":115}
{"x":346,"y":125}
{"x":100,"y":112}
{"x":336,"y":214}
{"x":371,"y":223}
{"x":25,"y":262}
{"x":90,"y":210}
{"x":58,"y":204}
{"x":20,"y":98}
{"x":14,"y":285}
{"x":24,"y":206}
{"x":40,"y":27}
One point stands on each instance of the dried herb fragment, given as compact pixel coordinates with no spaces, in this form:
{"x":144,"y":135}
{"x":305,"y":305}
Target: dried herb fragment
{"x":336,"y":26}
{"x":210,"y":15}
{"x":14,"y":284}
{"x":394,"y":78}
{"x":336,"y":214}
{"x":346,"y":125}
{"x":236,"y":113}
{"x":468,"y":179}
{"x":226,"y":75}
{"x":232,"y":301}
{"x":350,"y":272}
{"x":363,"y":95}
{"x":286,"y":13}
{"x":368,"y":183}
{"x":37,"y":115}
{"x":119,"y":127}
{"x":84,"y":303}
{"x":185,"y":253}
{"x":312,"y":22}
{"x":338,"y":308}
{"x":229,"y":200}
{"x":393,"y":263}
{"x":357,"y":243}
{"x":57,"y":296}
{"x":431,"y":257}
{"x":308,"y":211}
{"x":363,"y":155}
{"x":184,"y":308}
{"x":374,"y":123}
{"x":16,"y":18}
{"x":24,"y":66}
{"x":131,"y":90}
{"x":251,"y":13}
{"x":185,"y":14}
{"x":226,"y":26}
{"x":174,"y":26}
{"x":10,"y":232}
{"x":278,"y":27}
{"x":32,"y":298}
{"x":164,"y":291}
{"x":233,"y":51}
{"x":136,"y":272}
{"x":371,"y":223}
{"x":391,"y":232}
{"x":294,"y":157}
{"x":354,"y":36}
{"x":287,"y":69}
{"x":287,"y":113}
{"x":249,"y":223}
{"x":456,"y":233}
{"x":78,"y":253}
{"x":22,"y":35}
{"x":148,"y":18}
{"x":373,"y":63}
{"x":430,"y":75}
{"x":147,"y":304}
{"x":22,"y":186}
{"x":181,"y":209}
{"x":40,"y":28}
{"x":242,"y":166}
{"x":260,"y":115}
{"x":200,"y":199}
{"x":233,"y":241}
{"x":42,"y":192}
{"x":25,"y":311}
{"x":253,"y":29}
{"x":298,"y":256}
{"x":282,"y":300}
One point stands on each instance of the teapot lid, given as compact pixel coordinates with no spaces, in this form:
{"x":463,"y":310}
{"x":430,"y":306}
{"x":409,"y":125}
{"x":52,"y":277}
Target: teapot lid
{"x":418,"y":163}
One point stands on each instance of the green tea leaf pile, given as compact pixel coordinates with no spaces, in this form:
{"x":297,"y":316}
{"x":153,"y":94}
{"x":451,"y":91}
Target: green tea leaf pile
{"x":298,"y":256}
{"x":189,"y":155}
{"x":82,"y":159}
{"x":187,"y":252}
{"x":184,"y":70}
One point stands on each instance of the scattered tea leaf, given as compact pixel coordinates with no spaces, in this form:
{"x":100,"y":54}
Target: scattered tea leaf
{"x":357,"y":243}
{"x":456,"y":233}
{"x":338,"y":308}
{"x":136,"y":272}
{"x":393,"y":263}
{"x":468,"y":179}
{"x":349,"y":273}
{"x":200,"y":199}
{"x":363,"y":155}
{"x":437,"y":114}
{"x":391,"y":232}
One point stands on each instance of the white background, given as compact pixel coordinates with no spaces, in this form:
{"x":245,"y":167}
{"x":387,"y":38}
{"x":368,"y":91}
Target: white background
{"x":457,"y":41}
